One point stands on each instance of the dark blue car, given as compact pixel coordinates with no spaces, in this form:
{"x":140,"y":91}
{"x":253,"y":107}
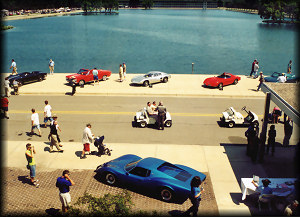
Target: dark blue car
{"x":168,"y":181}
{"x":27,"y":77}
{"x":290,"y":78}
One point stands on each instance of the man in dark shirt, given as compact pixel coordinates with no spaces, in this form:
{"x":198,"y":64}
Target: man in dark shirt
{"x":63,"y":183}
{"x":161,"y":115}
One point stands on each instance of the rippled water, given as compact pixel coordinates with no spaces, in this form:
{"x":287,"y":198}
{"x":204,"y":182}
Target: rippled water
{"x":166,"y":40}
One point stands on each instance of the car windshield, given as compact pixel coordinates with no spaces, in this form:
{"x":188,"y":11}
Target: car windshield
{"x":82,"y":71}
{"x":229,"y":111}
{"x":275,"y":74}
{"x":131,"y":165}
{"x":174,"y":171}
{"x":148,"y":75}
{"x":224,"y":76}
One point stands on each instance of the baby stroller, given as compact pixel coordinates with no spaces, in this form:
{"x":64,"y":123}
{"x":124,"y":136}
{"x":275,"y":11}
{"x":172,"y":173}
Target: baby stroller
{"x":101,"y":147}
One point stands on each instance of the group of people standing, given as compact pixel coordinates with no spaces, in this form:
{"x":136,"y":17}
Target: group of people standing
{"x":14,"y":67}
{"x":122,"y":72}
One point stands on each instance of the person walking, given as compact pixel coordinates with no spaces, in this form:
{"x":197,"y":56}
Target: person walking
{"x":4,"y":107}
{"x":256,"y":67}
{"x":35,"y":123}
{"x":29,"y":153}
{"x":95,"y":75}
{"x":121,"y":73}
{"x":51,"y":66}
{"x":63,"y":183}
{"x":73,"y":84}
{"x":6,"y":87}
{"x":250,"y":134}
{"x":47,"y":113}
{"x":124,"y":70}
{"x":289,"y":68}
{"x":87,"y":139}
{"x":54,"y":137}
{"x":252,"y":68}
{"x":271,"y":139}
{"x":261,"y":80}
{"x":14,"y":67}
{"x":288,"y":130}
{"x":161,"y":109}
{"x":195,"y":196}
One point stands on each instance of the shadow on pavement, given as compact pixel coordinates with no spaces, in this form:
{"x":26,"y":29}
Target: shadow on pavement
{"x":54,"y":212}
{"x":142,"y":191}
{"x":24,"y":179}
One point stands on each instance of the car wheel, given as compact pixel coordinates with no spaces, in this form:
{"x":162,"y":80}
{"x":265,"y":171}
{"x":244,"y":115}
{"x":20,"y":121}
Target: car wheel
{"x":81,"y":82}
{"x":110,"y":179}
{"x":104,"y":77}
{"x":146,"y":83}
{"x":166,"y":194}
{"x":220,"y":86}
{"x":143,"y":124}
{"x":235,"y":81}
{"x":165,"y":80}
{"x":168,"y":123}
{"x":231,"y":124}
{"x":40,"y":78}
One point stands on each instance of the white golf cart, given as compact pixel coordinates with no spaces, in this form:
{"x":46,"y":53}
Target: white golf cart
{"x":142,"y":118}
{"x":231,"y":117}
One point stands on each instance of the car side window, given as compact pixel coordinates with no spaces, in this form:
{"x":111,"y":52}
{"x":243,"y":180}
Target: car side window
{"x":139,"y":171}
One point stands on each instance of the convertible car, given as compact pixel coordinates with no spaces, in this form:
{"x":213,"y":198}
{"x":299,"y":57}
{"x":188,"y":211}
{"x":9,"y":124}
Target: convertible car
{"x":221,"y":80}
{"x":168,"y":181}
{"x":290,"y":78}
{"x":27,"y":77}
{"x":84,"y":76}
{"x":150,"y":78}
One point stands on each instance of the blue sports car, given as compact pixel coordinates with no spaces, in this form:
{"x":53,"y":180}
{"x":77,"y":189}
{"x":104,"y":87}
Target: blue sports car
{"x":168,"y":181}
{"x":290,"y":78}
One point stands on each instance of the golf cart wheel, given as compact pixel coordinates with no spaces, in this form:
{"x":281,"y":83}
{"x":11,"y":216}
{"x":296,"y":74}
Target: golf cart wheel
{"x":165,"y":80}
{"x":166,"y":194}
{"x":110,"y":179}
{"x":146,"y":83}
{"x":235,"y":81}
{"x":168,"y":124}
{"x":231,"y":124}
{"x":143,"y":124}
{"x":81,"y":83}
{"x":255,"y":123}
{"x":220,"y":86}
{"x":104,"y":77}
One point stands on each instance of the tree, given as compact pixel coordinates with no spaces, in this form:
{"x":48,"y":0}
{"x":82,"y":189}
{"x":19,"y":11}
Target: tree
{"x":110,"y":5}
{"x":134,"y":3}
{"x":147,"y":4}
{"x":272,"y":10}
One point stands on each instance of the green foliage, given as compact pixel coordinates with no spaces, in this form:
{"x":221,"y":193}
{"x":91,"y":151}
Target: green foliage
{"x":279,"y":9}
{"x":147,"y":4}
{"x":6,"y":27}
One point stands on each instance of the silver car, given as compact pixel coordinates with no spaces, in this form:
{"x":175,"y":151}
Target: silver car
{"x":150,"y":78}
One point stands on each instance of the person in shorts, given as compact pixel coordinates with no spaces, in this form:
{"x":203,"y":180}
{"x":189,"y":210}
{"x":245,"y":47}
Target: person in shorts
{"x":63,"y":183}
{"x":31,"y":163}
{"x":47,"y":113}
{"x":95,"y":75}
{"x":14,"y":67}
{"x":35,"y":123}
{"x":87,"y":139}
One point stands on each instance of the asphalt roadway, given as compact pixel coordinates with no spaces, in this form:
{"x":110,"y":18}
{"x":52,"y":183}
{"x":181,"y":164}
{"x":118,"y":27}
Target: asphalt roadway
{"x":195,"y":120}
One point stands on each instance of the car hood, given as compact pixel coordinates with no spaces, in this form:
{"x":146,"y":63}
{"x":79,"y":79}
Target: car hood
{"x":211,"y":80}
{"x":138,"y":78}
{"x":72,"y":76}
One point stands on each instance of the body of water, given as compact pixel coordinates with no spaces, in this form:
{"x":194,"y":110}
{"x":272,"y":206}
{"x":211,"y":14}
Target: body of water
{"x":165,"y":40}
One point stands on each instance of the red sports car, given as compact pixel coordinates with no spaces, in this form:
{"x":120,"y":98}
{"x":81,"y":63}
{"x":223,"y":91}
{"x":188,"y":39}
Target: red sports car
{"x":86,"y":75}
{"x":221,"y":80}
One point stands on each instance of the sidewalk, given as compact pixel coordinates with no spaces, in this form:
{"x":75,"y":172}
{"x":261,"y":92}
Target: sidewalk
{"x":189,"y":85}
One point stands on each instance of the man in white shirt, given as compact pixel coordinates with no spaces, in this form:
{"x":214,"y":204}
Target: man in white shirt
{"x":51,"y":66}
{"x":256,"y":67}
{"x":87,"y":139}
{"x":281,"y":78}
{"x":47,"y":113}
{"x":154,"y":108}
{"x":6,"y":87}
{"x":14,"y":66}
{"x":35,"y":123}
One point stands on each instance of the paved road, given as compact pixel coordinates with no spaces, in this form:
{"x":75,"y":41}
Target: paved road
{"x":194,"y":119}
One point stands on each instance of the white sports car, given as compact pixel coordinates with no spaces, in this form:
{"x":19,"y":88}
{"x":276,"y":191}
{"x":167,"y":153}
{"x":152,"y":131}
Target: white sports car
{"x":150,"y":78}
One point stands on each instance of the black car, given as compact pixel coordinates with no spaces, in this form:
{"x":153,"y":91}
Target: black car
{"x":27,"y":77}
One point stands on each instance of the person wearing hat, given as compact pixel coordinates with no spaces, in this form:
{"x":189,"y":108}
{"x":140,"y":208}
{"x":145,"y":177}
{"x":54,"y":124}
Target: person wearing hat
{"x":124,"y":70}
{"x":281,"y":78}
{"x":161,"y":109}
{"x":261,"y":80}
{"x":53,"y":135}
